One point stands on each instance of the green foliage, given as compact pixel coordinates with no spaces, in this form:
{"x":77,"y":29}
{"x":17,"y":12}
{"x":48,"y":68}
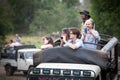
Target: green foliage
{"x":52,"y":16}
{"x":71,"y":3}
{"x":15,"y":15}
{"x":106,"y":15}
{"x":23,"y":11}
{"x":6,"y":24}
{"x":37,"y":16}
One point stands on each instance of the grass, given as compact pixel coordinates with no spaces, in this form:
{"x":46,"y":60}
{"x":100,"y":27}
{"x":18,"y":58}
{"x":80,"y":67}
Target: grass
{"x":36,"y":40}
{"x":28,"y":40}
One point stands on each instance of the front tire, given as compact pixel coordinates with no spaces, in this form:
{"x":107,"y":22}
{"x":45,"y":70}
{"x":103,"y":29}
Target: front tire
{"x":9,"y":70}
{"x":30,"y":68}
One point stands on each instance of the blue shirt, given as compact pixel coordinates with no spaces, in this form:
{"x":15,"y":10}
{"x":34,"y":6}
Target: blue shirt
{"x":78,"y":43}
{"x":90,"y":41}
{"x":18,"y":39}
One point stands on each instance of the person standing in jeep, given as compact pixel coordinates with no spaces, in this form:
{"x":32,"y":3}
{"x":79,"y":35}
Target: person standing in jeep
{"x":85,"y":16}
{"x":18,"y":38}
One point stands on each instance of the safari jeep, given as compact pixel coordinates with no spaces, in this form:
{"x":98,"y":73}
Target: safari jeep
{"x":63,"y":63}
{"x":65,"y":71}
{"x":19,"y":58}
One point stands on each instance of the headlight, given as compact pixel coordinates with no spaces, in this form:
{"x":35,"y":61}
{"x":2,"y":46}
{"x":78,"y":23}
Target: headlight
{"x":66,"y":72}
{"x":87,"y":73}
{"x":56,"y":71}
{"x":36,"y":71}
{"x":76,"y":72}
{"x":46,"y":71}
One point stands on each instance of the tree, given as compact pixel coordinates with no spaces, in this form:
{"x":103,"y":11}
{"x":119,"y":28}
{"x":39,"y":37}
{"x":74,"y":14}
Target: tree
{"x":6,"y":22}
{"x":106,"y":15}
{"x":15,"y":16}
{"x":71,"y":3}
{"x":52,"y":16}
{"x":23,"y":13}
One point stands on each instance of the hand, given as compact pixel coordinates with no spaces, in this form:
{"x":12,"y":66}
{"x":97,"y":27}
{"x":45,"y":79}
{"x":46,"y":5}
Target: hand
{"x":64,"y":38}
{"x":89,"y":31}
{"x":61,"y":39}
{"x":83,"y":34}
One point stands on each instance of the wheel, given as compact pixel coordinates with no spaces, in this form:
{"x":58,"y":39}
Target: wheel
{"x":9,"y":70}
{"x":30,"y":68}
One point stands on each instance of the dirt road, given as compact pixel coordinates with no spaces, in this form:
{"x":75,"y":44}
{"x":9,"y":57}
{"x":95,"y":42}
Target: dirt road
{"x":16,"y":76}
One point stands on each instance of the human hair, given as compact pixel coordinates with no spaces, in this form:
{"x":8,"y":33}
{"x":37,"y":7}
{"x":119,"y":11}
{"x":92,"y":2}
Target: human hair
{"x":11,"y":41}
{"x":75,"y":31}
{"x":50,"y":40}
{"x":93,"y":23}
{"x":18,"y":35}
{"x":67,"y":32}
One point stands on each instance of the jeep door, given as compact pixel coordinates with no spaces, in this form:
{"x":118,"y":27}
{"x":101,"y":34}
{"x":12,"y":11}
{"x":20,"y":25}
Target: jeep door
{"x":22,"y":65}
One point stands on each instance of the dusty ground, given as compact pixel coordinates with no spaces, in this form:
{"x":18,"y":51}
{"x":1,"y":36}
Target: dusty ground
{"x":16,"y":76}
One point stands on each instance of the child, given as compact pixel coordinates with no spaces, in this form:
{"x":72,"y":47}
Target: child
{"x":48,"y":43}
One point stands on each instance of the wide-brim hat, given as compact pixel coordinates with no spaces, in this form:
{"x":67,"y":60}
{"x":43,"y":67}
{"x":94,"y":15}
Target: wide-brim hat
{"x":85,"y":12}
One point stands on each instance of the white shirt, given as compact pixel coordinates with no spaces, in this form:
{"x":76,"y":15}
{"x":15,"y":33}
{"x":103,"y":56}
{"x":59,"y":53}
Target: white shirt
{"x":15,"y":44}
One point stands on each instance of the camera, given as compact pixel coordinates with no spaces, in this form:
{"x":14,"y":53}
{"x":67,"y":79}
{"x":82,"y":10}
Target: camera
{"x":61,"y":37}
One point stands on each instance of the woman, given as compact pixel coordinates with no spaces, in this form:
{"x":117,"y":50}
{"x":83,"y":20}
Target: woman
{"x":66,"y":33}
{"x":48,"y":43}
{"x":74,"y":42}
{"x":90,"y":36}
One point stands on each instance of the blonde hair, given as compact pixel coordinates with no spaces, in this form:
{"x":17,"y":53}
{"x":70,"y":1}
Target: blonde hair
{"x":93,"y":23}
{"x":83,"y":26}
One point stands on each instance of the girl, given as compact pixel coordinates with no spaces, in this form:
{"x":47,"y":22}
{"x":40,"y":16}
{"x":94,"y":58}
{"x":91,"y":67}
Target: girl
{"x":48,"y":43}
